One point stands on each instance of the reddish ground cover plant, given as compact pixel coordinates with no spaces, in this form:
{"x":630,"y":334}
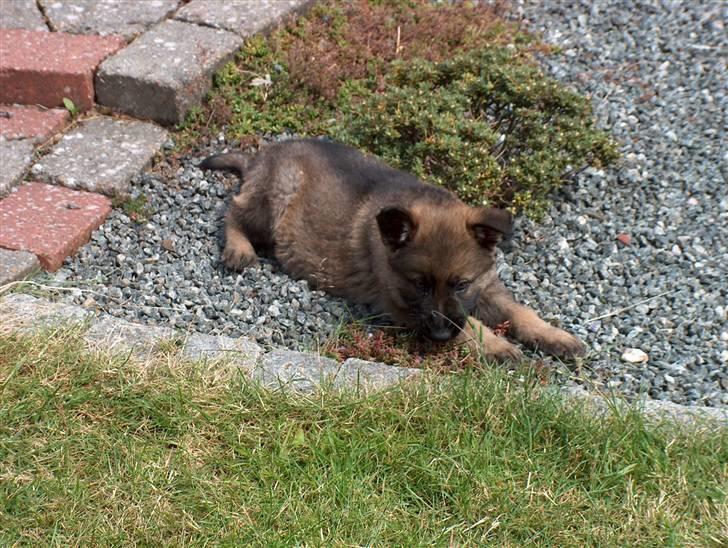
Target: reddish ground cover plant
{"x":396,"y":347}
{"x":357,"y":40}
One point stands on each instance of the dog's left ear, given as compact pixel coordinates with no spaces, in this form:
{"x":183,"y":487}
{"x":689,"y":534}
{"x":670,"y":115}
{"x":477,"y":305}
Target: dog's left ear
{"x":489,"y":225}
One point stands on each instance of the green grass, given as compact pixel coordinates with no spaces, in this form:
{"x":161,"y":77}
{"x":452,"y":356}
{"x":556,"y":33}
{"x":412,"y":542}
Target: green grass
{"x":95,"y":450}
{"x":138,"y":208}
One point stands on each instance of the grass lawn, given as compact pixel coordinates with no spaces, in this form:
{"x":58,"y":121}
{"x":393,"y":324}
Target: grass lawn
{"x":97,"y":450}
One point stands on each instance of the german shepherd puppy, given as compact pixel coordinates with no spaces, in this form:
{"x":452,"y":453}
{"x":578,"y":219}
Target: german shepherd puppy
{"x":359,"y":229}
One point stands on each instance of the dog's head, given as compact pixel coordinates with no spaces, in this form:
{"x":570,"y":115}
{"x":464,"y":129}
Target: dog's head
{"x":439,"y":257}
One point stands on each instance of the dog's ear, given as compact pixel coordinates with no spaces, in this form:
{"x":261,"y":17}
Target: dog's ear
{"x":396,"y":227}
{"x":489,"y":225}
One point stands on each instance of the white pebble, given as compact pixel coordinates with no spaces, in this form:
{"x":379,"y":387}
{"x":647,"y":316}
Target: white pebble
{"x":635,"y":355}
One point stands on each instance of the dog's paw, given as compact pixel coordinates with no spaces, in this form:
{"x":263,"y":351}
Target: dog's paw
{"x":238,"y":258}
{"x":501,"y":350}
{"x":496,"y":349}
{"x":559,"y":343}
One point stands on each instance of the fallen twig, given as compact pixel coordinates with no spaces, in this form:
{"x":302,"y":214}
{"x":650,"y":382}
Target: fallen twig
{"x":619,"y":311}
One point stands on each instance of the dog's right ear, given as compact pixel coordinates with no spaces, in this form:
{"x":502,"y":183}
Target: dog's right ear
{"x":396,"y":227}
{"x":490,"y":225}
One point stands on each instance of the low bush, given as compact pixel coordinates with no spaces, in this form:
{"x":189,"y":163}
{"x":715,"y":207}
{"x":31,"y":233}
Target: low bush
{"x":484,"y":124}
{"x":449,"y":92}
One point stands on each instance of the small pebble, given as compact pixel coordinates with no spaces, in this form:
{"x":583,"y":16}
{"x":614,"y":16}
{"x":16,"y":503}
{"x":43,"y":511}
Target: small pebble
{"x":634,"y":355}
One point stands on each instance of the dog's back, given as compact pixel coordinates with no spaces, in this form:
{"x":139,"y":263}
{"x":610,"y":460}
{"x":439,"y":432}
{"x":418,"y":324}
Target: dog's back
{"x":313,"y":200}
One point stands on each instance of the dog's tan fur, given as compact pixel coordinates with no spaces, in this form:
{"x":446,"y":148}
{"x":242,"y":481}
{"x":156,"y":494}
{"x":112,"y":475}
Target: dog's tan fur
{"x":357,"y":228}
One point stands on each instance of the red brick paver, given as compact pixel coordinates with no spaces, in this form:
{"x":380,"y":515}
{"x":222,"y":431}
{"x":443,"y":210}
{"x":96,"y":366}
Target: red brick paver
{"x":44,"y":67}
{"x":50,"y":221}
{"x":26,"y":122}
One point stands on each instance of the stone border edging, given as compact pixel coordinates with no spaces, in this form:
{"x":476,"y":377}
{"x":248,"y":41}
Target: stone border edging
{"x":285,"y":369}
{"x":278,"y":369}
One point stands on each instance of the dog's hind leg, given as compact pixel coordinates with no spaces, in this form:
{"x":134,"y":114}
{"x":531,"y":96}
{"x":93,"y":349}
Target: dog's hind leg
{"x":247,"y":221}
{"x":238,"y":252}
{"x":243,"y":221}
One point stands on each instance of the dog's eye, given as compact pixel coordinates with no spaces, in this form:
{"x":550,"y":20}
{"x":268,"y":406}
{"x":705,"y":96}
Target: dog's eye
{"x":462,"y":285}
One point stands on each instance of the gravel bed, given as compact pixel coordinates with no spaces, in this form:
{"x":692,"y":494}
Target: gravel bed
{"x":657,"y":75}
{"x":656,"y":71}
{"x":166,"y":268}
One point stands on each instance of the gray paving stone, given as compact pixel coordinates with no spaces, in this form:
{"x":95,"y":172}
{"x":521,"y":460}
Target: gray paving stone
{"x":242,"y":352}
{"x":16,"y":265}
{"x":373,"y":375}
{"x":125,"y":18}
{"x":164,"y":72}
{"x":21,"y":14}
{"x":243,"y":17}
{"x":27,"y":314}
{"x":101,"y":155}
{"x":15,"y":158}
{"x":119,"y":336}
{"x":306,"y":373}
{"x":655,"y":410}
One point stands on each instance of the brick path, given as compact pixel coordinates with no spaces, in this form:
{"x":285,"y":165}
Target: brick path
{"x":152,"y":60}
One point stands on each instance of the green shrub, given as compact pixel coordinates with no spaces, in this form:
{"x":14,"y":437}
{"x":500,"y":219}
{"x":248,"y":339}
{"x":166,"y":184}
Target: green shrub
{"x":484,"y":124}
{"x":357,"y":39}
{"x":482,"y":120}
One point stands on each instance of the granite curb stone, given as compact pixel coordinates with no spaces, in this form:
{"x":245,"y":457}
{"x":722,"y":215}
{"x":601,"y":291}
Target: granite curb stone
{"x":101,"y":155}
{"x":50,"y":221}
{"x":306,"y":373}
{"x":374,"y":375}
{"x":284,"y":369}
{"x":21,"y":14}
{"x":106,"y":17}
{"x":30,"y":122}
{"x":28,"y":314}
{"x":241,"y":351}
{"x":652,"y":409}
{"x":16,"y":265}
{"x":164,"y":72}
{"x":41,"y":68}
{"x":243,"y":17}
{"x":140,"y":340}
{"x":15,"y":157}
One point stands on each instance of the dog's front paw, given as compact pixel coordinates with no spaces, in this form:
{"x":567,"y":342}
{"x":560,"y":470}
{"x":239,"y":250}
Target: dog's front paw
{"x":482,"y":341}
{"x":559,"y":343}
{"x":494,"y":348}
{"x":238,"y":257}
{"x":500,"y":350}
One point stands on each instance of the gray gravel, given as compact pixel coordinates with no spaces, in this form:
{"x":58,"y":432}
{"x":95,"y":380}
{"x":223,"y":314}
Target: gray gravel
{"x":657,"y":75}
{"x":167,"y":268}
{"x":656,"y":71}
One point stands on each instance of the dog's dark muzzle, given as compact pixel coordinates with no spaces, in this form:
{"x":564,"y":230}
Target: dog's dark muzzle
{"x":441,"y":334}
{"x":441,"y":329}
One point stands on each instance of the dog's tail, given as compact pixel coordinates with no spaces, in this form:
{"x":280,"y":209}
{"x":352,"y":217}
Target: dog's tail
{"x":233,"y":161}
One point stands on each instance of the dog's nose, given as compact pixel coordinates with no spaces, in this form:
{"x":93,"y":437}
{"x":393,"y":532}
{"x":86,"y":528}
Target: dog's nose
{"x":440,"y":334}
